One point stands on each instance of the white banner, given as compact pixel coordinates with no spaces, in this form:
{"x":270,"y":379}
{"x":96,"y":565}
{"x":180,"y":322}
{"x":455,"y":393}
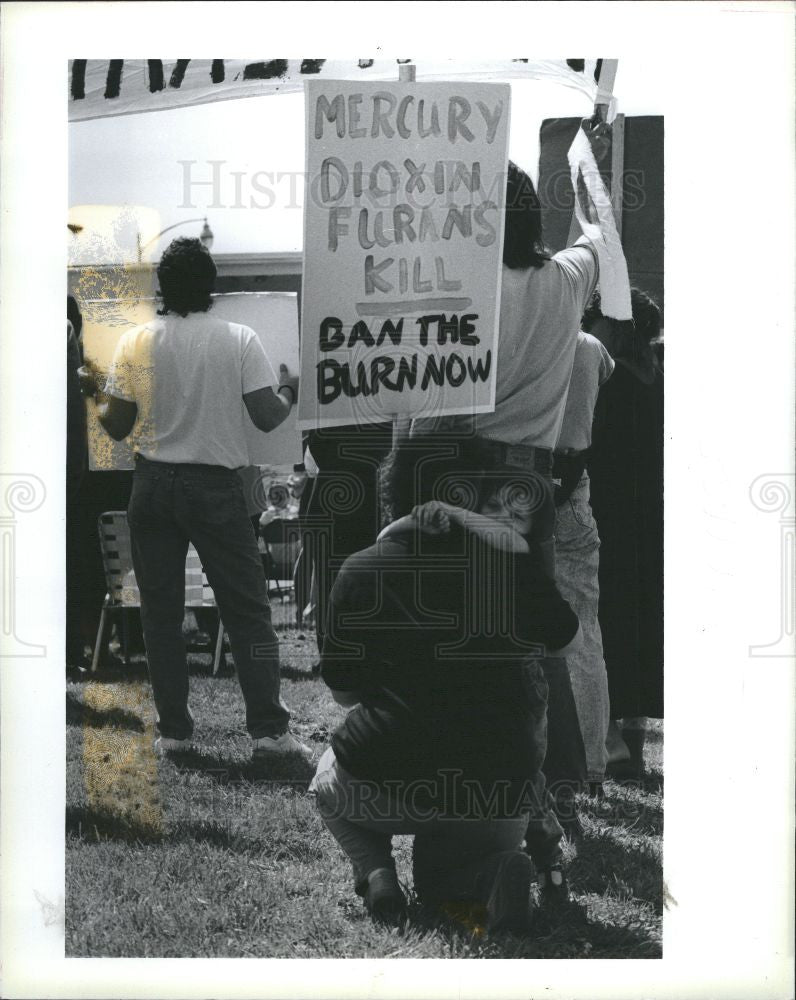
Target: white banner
{"x":103,"y":87}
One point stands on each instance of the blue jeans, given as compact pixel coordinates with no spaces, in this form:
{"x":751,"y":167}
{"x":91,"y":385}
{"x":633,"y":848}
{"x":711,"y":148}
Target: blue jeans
{"x":577,"y":565}
{"x":170,"y":506}
{"x":449,"y":854}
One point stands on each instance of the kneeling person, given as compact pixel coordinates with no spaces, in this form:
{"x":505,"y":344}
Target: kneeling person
{"x":433,"y":634}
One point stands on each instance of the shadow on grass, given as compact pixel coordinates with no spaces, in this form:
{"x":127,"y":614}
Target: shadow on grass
{"x":626,"y":774}
{"x":616,"y":808}
{"x":294,"y":674}
{"x":652,"y":782}
{"x":115,"y":674}
{"x":200,"y":664}
{"x":563,"y":932}
{"x":289,"y":770}
{"x":291,"y":846}
{"x":80,"y":714}
{"x":91,"y":824}
{"x":585,"y":938}
{"x":104,"y":824}
{"x":603,"y":861}
{"x":637,"y":817}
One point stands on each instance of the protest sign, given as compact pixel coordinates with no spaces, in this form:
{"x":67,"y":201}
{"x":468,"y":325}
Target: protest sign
{"x":403,"y":233}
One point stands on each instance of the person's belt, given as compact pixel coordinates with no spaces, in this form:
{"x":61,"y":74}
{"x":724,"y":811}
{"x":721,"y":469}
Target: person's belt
{"x":521,"y":456}
{"x":568,"y":468}
{"x":184,"y":468}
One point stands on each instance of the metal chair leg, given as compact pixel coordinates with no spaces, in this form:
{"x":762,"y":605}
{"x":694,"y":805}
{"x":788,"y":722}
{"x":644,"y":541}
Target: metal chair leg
{"x":219,"y":647}
{"x":126,"y":636}
{"x":100,"y":637}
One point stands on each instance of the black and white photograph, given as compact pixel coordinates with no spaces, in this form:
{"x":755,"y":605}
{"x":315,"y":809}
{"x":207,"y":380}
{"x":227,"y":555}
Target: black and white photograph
{"x":378,"y":539}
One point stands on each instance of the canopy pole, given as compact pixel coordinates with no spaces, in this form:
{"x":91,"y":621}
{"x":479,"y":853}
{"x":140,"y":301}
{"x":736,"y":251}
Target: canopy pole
{"x":401,"y":423}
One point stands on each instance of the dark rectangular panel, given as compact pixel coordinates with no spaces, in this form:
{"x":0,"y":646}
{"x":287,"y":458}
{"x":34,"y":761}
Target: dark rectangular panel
{"x":642,"y":210}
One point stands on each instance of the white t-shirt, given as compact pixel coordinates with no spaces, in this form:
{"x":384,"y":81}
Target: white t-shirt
{"x":540,"y":313}
{"x":187,"y":376}
{"x":592,"y":367}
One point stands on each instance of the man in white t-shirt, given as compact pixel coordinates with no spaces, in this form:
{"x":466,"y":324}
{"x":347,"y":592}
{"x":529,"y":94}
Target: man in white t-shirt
{"x":184,"y":386}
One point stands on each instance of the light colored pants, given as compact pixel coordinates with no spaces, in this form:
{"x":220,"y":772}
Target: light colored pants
{"x":450,"y":855}
{"x":577,"y":564}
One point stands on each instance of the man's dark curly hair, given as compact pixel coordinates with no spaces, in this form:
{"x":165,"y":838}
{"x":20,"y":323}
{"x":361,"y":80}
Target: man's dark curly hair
{"x":523,"y":245}
{"x":455,"y":470}
{"x":646,"y":314}
{"x":187,"y":276}
{"x":636,"y":334}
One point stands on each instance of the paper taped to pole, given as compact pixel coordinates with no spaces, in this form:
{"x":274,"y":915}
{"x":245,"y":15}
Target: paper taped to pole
{"x":403,"y":231}
{"x":586,"y":180}
{"x":272,"y":315}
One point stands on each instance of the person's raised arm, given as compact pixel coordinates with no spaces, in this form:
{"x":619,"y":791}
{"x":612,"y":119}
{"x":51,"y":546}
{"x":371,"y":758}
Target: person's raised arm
{"x":268,"y":409}
{"x":495,"y":533}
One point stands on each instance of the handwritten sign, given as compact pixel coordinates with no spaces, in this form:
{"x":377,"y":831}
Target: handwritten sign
{"x":402,"y":249}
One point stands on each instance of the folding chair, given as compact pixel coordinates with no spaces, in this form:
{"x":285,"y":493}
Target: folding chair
{"x":281,"y":539}
{"x":123,"y":594}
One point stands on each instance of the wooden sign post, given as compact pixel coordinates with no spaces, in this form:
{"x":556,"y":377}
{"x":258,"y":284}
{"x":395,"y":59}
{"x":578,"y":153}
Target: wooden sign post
{"x":402,"y":424}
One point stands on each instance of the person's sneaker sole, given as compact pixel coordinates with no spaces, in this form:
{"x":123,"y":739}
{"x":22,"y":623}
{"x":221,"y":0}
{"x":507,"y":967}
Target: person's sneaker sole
{"x":283,"y":746}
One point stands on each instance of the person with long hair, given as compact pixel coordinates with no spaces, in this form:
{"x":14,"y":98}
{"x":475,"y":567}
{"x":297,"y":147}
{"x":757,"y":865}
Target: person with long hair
{"x":542,"y":299}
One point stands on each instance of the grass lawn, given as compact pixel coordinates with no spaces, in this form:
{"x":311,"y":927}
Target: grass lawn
{"x":209,"y":855}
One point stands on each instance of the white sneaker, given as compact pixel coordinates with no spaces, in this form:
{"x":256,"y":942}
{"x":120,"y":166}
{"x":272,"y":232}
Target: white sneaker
{"x":286,"y":743}
{"x":165,"y":744}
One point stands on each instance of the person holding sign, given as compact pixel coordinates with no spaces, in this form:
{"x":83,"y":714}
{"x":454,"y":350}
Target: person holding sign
{"x":542,"y":299}
{"x":186,"y":384}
